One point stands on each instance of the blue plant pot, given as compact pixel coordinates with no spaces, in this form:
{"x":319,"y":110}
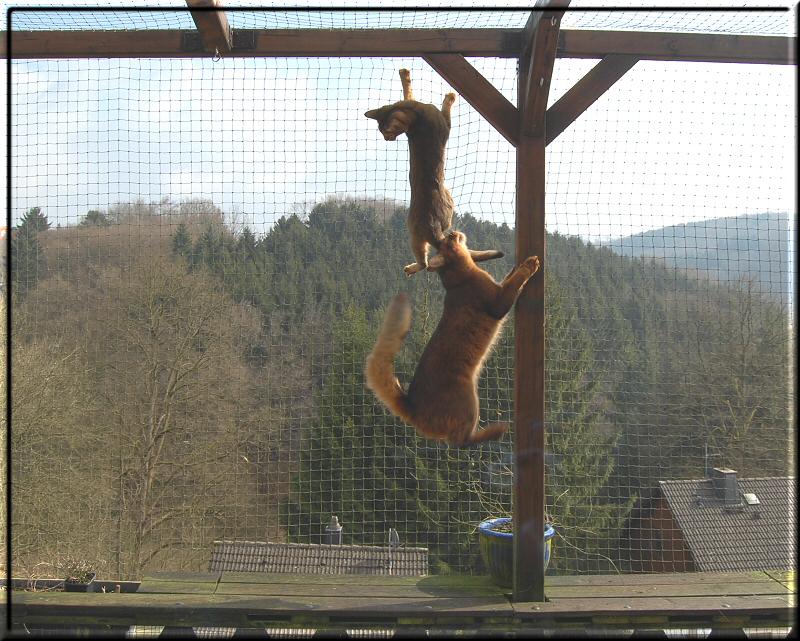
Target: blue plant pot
{"x":497,"y":549}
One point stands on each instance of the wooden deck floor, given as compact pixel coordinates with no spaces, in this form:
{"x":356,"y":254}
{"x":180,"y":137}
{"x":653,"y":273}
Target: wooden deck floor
{"x":256,"y":600}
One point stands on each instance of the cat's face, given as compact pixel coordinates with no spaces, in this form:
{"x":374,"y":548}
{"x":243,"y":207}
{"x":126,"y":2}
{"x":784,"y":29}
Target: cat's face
{"x":393,"y":120}
{"x":453,"y":246}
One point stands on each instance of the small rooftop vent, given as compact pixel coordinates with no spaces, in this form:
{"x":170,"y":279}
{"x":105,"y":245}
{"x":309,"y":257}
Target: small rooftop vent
{"x":751,"y":499}
{"x":333,"y":532}
{"x":726,"y":487}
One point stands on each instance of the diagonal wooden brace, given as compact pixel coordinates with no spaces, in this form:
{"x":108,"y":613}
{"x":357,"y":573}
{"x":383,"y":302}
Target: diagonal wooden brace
{"x":212,"y":25}
{"x":478,"y":92}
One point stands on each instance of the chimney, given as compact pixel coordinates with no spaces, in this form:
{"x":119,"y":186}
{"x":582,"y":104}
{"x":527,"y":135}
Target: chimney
{"x":725,"y":486}
{"x":333,"y":533}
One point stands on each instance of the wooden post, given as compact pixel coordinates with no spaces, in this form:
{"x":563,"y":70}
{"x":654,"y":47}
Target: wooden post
{"x":212,"y":25}
{"x":535,"y":70}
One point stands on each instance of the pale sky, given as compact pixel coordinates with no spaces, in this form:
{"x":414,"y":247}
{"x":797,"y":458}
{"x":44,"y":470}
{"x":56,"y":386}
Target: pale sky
{"x":669,"y":143}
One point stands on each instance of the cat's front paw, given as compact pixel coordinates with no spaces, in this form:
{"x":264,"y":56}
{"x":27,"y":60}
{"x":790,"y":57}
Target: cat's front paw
{"x":532,"y":264}
{"x":413,"y":268}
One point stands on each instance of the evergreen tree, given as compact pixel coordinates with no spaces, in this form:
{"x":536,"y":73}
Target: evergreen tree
{"x":28,"y":263}
{"x":581,"y":447}
{"x":94,"y":218}
{"x":181,"y":241}
{"x":341,"y":472}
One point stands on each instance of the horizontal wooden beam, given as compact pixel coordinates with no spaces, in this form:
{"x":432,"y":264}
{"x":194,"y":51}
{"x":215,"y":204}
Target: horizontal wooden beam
{"x":686,"y":47}
{"x":169,"y":43}
{"x":478,"y":92}
{"x":585,"y":92}
{"x":504,"y":43}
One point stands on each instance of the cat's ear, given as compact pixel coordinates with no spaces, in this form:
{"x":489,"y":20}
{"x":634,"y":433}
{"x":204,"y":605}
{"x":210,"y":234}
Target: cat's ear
{"x":372,"y":113}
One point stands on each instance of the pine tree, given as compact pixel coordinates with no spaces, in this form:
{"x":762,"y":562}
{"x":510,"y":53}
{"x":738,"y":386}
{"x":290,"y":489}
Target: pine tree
{"x":181,"y":241}
{"x":95,"y":218}
{"x":580,"y":448}
{"x":28,"y":263}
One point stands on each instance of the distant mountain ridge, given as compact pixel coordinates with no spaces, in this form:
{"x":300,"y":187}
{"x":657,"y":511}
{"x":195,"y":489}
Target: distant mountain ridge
{"x":723,"y":249}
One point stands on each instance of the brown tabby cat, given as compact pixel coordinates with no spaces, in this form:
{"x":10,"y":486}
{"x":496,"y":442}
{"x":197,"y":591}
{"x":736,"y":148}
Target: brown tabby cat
{"x":442,"y":399}
{"x":431,"y":210}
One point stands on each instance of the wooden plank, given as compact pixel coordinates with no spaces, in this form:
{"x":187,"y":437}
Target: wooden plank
{"x":169,"y":43}
{"x":539,"y":64}
{"x":98,"y":44}
{"x":176,"y":587}
{"x":180,"y":583}
{"x":529,"y":437}
{"x":784,"y":576}
{"x":585,"y":92}
{"x":249,"y":611}
{"x":706,"y":607}
{"x":573,"y":591}
{"x":667,"y":579}
{"x":212,"y":25}
{"x":539,"y":9}
{"x":676,"y":590}
{"x":528,"y":496}
{"x":504,"y":43}
{"x":185,"y":577}
{"x":219,"y":609}
{"x":313,"y":590}
{"x":686,"y":47}
{"x":484,"y":583}
{"x":478,"y":92}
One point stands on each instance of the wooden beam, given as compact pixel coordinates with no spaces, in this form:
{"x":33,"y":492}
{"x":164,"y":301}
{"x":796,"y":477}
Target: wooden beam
{"x":175,"y":43}
{"x":165,"y":43}
{"x":686,"y":47}
{"x":535,"y":70}
{"x":541,"y":56}
{"x":478,"y":92}
{"x":529,"y":489}
{"x":503,"y":43}
{"x":212,"y":25}
{"x":585,"y":92}
{"x":540,"y":8}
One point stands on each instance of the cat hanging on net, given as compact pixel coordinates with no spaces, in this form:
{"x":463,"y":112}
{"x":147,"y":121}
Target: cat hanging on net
{"x":442,"y":399}
{"x":430,"y":212}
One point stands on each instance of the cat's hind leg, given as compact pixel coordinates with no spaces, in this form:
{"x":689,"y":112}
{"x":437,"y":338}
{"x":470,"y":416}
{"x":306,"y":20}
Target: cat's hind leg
{"x":420,"y":249}
{"x":489,"y":433}
{"x":405,"y":78}
{"x":448,"y":101}
{"x":478,"y":255}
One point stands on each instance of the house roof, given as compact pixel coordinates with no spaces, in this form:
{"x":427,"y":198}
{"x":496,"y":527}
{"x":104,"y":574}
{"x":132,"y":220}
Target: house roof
{"x":734,"y":538}
{"x":311,"y":558}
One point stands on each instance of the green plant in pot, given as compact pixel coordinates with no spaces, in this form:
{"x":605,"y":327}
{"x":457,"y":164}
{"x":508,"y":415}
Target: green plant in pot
{"x":496,"y":538}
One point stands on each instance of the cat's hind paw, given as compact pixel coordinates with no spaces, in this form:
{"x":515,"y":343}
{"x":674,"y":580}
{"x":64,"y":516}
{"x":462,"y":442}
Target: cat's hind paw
{"x":413,"y":268}
{"x":448,"y":101}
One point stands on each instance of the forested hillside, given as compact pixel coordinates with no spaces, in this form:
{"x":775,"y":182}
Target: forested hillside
{"x":723,"y":249}
{"x":180,"y":379}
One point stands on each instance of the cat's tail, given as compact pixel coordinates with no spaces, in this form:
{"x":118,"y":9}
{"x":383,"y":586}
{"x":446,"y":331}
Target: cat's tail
{"x":379,"y":370}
